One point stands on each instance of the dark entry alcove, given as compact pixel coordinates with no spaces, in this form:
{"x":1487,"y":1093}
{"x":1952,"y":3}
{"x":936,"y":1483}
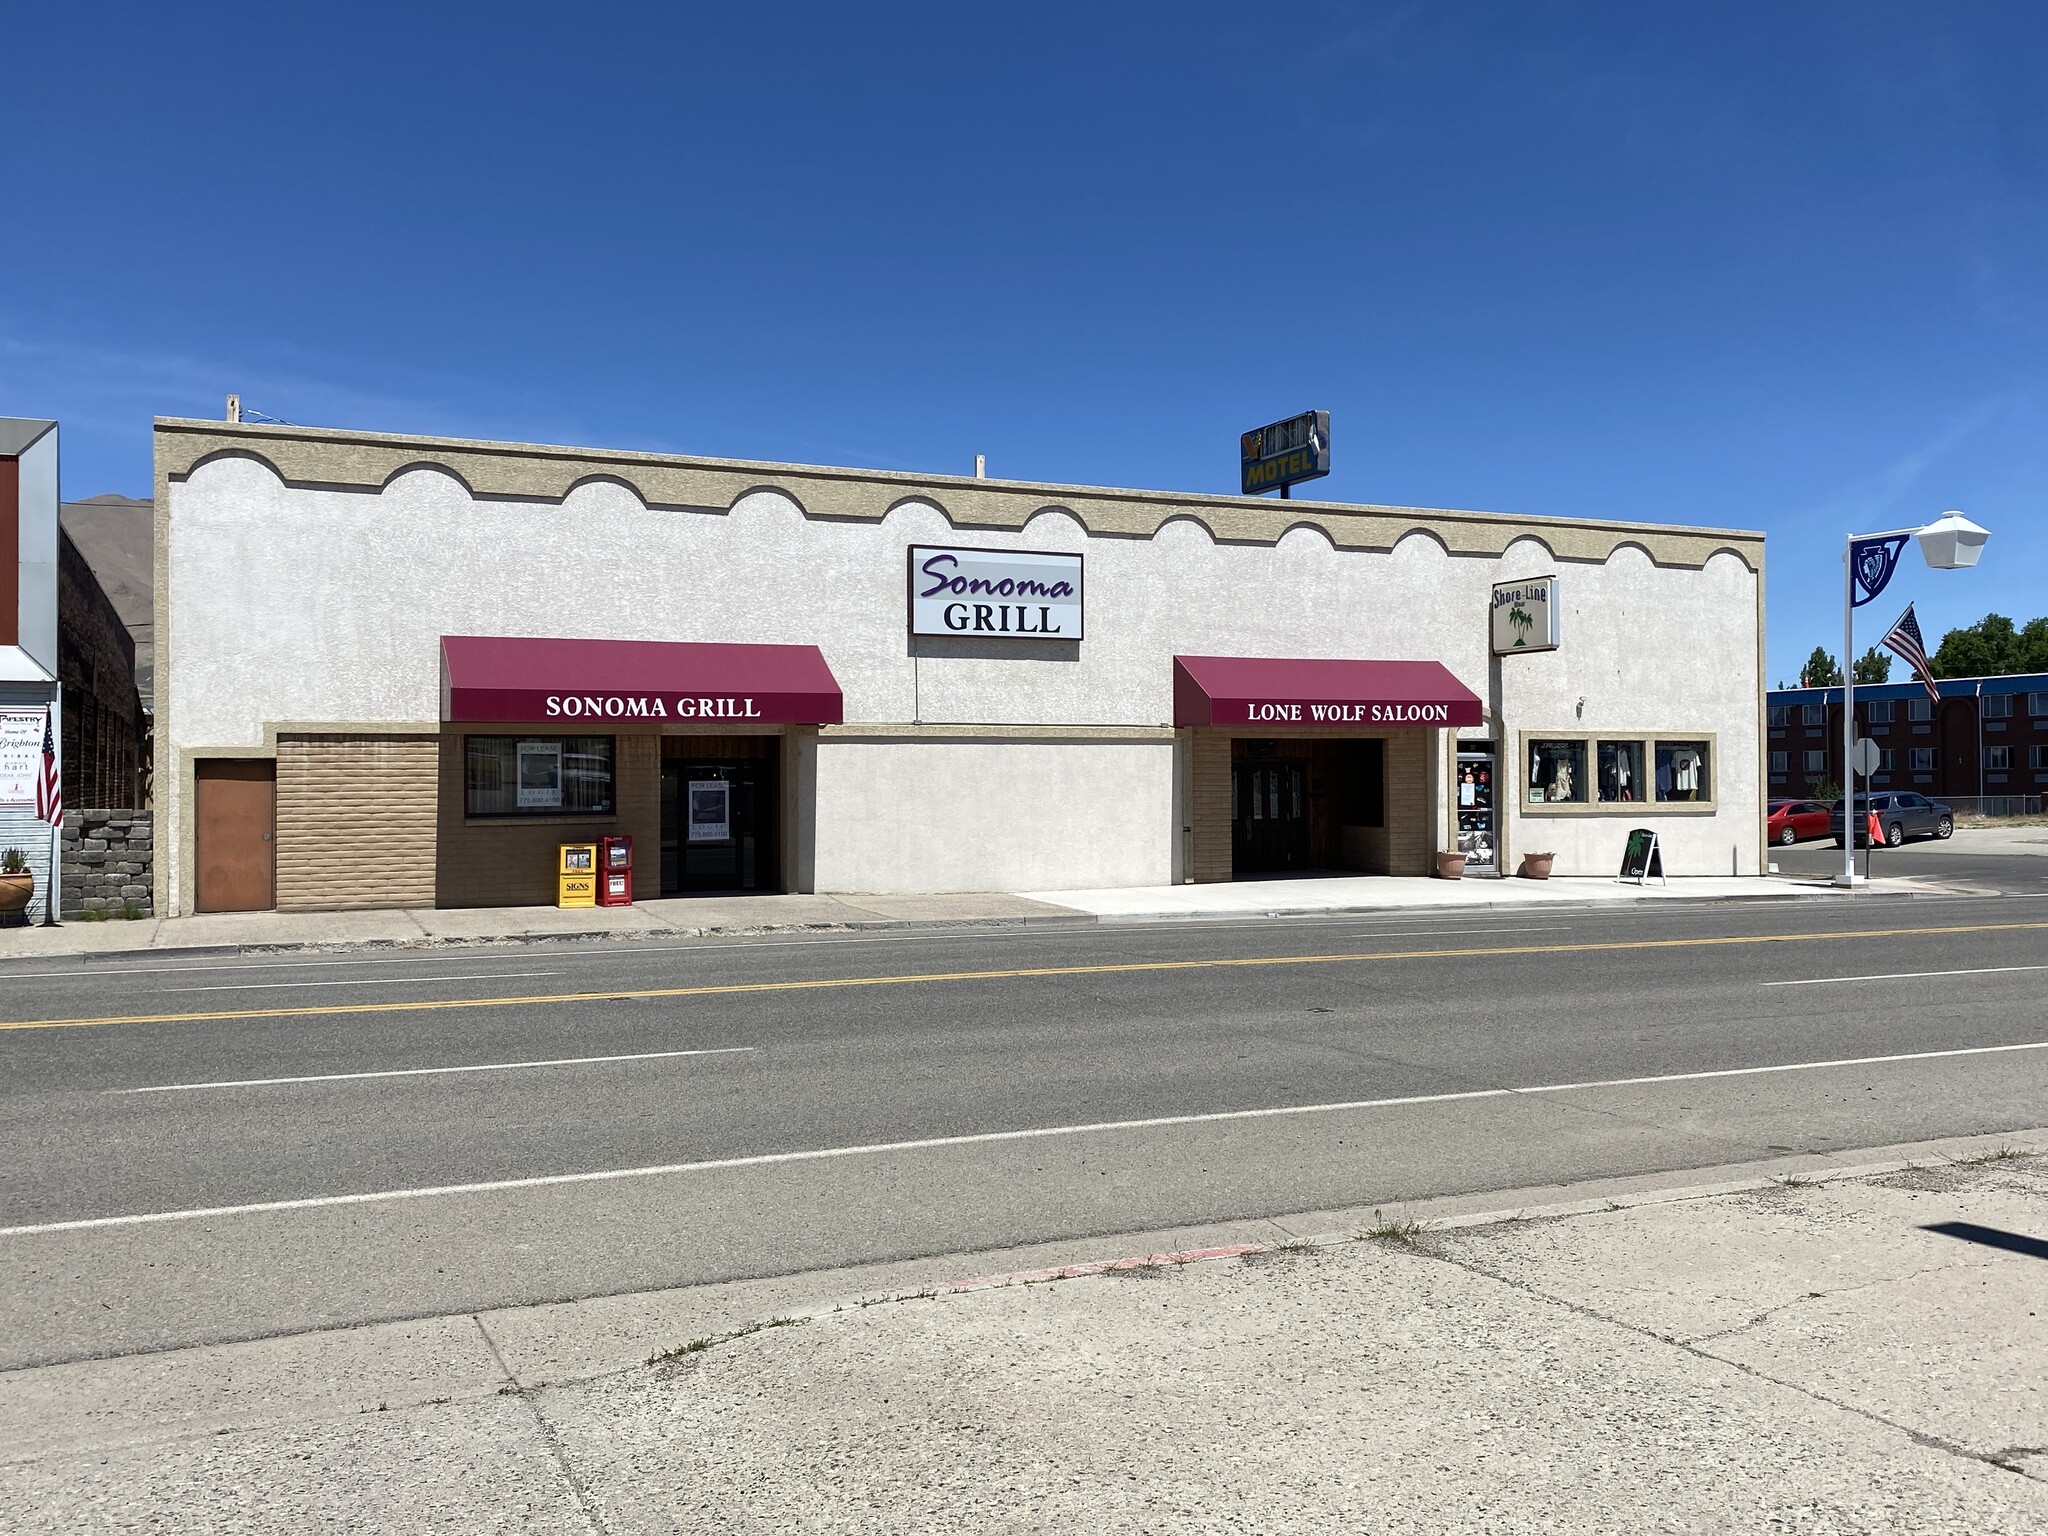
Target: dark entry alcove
{"x":720,"y":798}
{"x":1307,"y":803}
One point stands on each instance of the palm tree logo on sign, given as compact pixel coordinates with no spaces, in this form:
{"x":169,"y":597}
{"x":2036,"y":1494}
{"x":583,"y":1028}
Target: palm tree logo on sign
{"x":1524,"y":615}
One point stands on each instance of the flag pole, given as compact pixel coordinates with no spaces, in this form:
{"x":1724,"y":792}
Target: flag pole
{"x":53,"y":894}
{"x":1848,"y":876}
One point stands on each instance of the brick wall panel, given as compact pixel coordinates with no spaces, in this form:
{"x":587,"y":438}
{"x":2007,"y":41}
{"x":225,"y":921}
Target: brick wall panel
{"x":356,"y":821}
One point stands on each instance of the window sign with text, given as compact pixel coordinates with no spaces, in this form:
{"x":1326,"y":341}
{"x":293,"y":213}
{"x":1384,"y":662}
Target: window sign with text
{"x":995,"y":594}
{"x":21,"y":754}
{"x":710,"y":811}
{"x":540,"y":775}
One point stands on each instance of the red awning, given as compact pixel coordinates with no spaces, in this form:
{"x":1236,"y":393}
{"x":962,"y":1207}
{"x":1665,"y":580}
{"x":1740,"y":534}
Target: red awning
{"x":514,"y":679}
{"x":1259,"y":690}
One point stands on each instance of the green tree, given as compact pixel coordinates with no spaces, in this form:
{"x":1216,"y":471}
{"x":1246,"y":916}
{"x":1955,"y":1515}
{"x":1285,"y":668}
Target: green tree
{"x":1820,"y":671}
{"x":1992,"y":647}
{"x":1873,"y":666}
{"x":2032,"y":655}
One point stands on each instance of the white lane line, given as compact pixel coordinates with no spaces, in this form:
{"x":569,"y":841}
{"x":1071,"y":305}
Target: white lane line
{"x":494,"y":1066}
{"x":1829,"y":981}
{"x":983,"y":1138}
{"x":351,"y":981}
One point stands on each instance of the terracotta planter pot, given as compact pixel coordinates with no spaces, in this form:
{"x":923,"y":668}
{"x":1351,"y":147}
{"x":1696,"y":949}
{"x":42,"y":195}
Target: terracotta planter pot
{"x":15,"y":891}
{"x":1536,"y":866}
{"x":1450,"y":866}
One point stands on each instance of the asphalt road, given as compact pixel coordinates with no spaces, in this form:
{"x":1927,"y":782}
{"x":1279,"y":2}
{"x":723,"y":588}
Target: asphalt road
{"x":2005,"y":865}
{"x":421,"y":1134}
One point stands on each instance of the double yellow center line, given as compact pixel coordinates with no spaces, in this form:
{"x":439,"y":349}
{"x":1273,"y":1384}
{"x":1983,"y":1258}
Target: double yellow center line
{"x":1121,"y":968}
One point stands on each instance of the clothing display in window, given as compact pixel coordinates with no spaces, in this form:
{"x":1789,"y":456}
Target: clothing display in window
{"x":1476,"y":837}
{"x":1685,"y":772}
{"x":1620,"y":768}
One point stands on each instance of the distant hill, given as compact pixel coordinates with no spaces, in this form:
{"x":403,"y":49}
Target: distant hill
{"x":117,"y":536}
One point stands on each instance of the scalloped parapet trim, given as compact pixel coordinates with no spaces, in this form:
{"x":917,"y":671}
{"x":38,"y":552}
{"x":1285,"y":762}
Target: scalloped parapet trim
{"x":368,"y":461}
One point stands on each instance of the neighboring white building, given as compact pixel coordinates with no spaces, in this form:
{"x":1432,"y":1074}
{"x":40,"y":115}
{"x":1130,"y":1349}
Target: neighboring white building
{"x":355,"y":655}
{"x":29,"y":695}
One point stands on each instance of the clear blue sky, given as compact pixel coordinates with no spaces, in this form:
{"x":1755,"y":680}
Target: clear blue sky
{"x":1779,"y":266}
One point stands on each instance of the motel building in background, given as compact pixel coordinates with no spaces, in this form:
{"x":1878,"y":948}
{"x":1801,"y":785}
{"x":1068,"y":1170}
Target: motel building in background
{"x":399,"y":671}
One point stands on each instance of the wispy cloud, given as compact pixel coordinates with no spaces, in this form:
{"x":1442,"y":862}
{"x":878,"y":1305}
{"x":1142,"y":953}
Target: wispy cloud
{"x":1872,"y":500}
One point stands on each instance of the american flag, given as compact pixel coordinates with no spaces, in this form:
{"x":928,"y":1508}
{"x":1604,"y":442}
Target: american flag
{"x":1905,"y":642}
{"x":49,"y":789}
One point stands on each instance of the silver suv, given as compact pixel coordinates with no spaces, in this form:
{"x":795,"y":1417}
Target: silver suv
{"x":1899,"y":816}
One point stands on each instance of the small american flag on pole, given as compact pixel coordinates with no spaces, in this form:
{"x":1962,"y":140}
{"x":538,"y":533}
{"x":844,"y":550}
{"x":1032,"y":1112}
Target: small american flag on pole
{"x":49,"y":788}
{"x":1905,"y":642}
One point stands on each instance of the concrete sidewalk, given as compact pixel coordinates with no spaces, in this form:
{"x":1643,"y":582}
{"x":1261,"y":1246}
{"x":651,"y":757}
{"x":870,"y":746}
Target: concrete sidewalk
{"x":1819,"y":1344}
{"x":700,"y":916}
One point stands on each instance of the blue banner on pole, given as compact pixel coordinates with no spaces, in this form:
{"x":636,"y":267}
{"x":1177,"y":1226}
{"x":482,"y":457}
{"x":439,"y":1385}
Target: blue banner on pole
{"x":1871,"y":563}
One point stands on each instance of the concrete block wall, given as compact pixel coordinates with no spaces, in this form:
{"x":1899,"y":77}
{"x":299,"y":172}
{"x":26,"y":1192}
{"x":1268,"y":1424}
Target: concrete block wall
{"x":356,"y":821}
{"x":1409,"y":833}
{"x":1210,"y":810}
{"x":107,"y":862}
{"x":510,"y":861}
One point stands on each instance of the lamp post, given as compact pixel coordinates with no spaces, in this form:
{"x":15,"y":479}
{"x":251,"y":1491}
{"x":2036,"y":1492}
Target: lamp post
{"x":1950,"y":543}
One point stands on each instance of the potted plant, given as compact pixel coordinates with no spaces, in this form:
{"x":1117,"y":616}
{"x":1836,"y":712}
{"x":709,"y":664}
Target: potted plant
{"x":1450,"y":864}
{"x":1536,"y":866}
{"x":17,"y":883}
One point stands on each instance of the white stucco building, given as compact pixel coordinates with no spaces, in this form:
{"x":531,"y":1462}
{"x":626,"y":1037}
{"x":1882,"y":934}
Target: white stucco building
{"x":365,"y":694}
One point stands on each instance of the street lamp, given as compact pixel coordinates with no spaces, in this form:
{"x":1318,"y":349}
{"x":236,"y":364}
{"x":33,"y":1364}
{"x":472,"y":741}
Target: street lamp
{"x":1950,"y":543}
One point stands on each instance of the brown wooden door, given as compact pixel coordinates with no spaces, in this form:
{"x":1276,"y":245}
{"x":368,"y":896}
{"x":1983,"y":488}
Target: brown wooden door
{"x":235,"y":827}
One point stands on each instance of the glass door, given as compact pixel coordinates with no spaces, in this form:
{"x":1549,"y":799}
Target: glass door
{"x":717,"y":825}
{"x":1478,"y":812}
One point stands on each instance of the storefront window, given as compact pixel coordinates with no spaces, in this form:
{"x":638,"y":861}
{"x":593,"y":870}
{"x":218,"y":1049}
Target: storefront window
{"x":1557,"y":772}
{"x":1620,"y":765}
{"x":1682,"y":771}
{"x":538,"y":775}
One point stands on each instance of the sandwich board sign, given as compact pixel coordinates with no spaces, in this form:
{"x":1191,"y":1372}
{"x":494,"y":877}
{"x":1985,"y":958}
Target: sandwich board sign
{"x":1641,"y":857}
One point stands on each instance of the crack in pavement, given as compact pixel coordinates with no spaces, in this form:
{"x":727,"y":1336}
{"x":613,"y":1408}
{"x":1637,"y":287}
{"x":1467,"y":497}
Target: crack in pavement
{"x":1422,"y":1248}
{"x":556,"y":1453}
{"x":1799,"y":1301}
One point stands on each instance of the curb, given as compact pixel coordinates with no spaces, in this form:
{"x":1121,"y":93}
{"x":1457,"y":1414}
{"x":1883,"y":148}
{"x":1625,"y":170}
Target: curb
{"x":1797,"y":1171}
{"x":1076,"y":919}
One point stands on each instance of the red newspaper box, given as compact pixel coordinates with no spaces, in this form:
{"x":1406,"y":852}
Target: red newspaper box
{"x":615,"y":871}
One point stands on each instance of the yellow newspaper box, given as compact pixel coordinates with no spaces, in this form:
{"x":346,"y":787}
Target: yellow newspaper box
{"x":578,"y":874}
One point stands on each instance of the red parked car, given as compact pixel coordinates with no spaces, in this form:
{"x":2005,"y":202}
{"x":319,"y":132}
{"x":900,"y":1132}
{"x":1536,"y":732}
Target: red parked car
{"x":1794,"y":821}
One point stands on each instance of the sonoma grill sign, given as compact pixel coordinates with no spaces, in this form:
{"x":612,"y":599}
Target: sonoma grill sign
{"x":651,"y":706}
{"x":994,"y":594}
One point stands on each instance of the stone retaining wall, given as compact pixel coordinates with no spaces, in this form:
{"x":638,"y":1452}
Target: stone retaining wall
{"x":107,"y":858}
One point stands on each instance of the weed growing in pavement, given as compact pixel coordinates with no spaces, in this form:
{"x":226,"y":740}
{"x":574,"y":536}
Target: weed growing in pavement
{"x":1277,"y":1251}
{"x":2001,"y":1155}
{"x":1392,"y":1229}
{"x":698,"y":1346}
{"x":1149,"y":1270}
{"x":1794,"y":1181}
